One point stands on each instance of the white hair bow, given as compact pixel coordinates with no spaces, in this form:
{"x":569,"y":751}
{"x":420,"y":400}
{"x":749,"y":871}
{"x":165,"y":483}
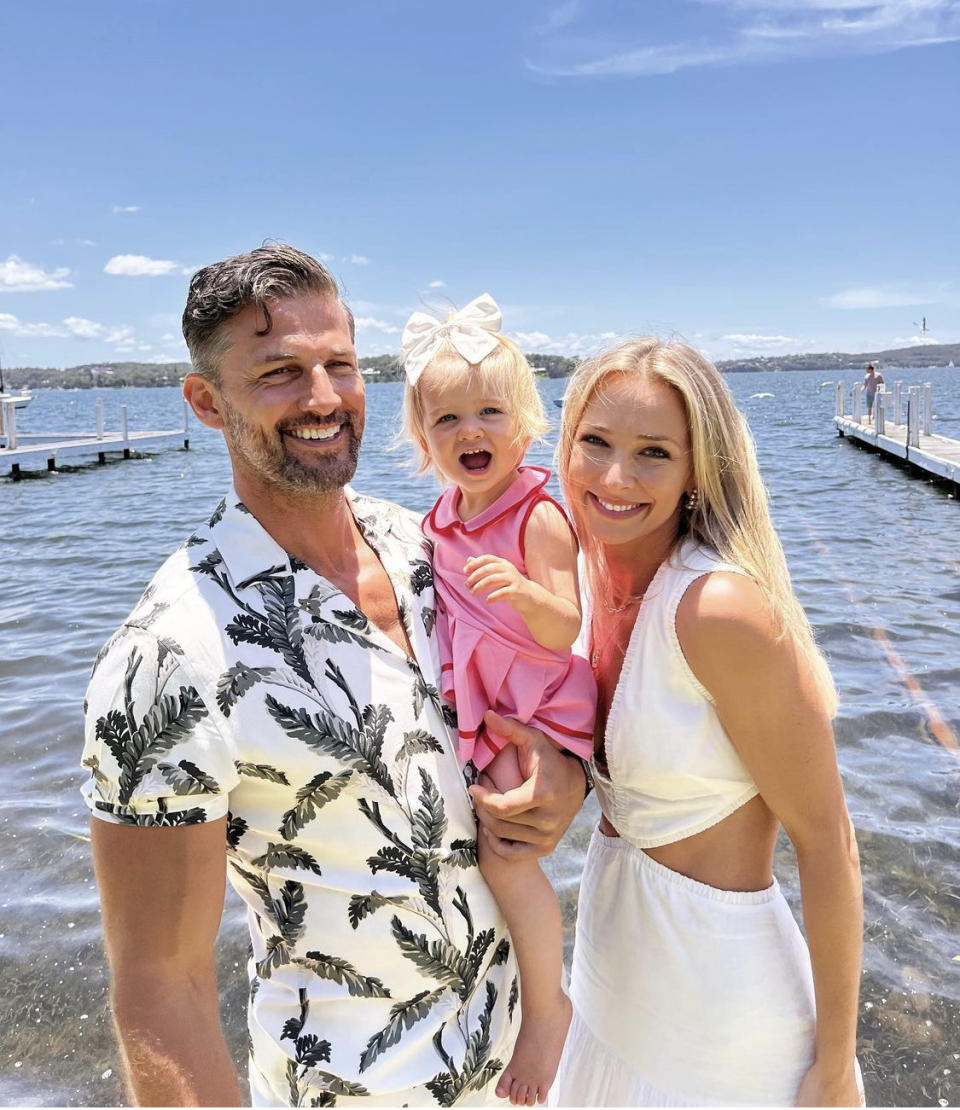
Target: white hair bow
{"x":471,"y":332}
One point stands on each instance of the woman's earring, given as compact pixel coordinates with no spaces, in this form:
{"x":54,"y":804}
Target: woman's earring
{"x":691,"y":500}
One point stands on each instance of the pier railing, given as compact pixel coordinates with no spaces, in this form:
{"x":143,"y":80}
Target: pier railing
{"x":18,"y":447}
{"x":902,"y":428}
{"x":888,"y":408}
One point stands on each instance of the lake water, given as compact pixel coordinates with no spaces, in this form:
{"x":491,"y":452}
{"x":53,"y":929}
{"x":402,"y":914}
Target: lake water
{"x":876,"y":562}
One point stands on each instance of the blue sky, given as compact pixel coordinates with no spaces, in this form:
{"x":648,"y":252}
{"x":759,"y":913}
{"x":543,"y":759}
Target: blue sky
{"x":758,"y":176}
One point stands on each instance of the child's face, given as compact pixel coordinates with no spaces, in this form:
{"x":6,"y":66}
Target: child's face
{"x":470,"y":435}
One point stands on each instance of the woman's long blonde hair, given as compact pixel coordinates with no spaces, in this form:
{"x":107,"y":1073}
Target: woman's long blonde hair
{"x":732,"y":515}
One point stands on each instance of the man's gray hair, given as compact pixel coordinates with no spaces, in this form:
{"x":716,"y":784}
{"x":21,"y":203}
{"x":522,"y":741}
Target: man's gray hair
{"x":219,"y":291}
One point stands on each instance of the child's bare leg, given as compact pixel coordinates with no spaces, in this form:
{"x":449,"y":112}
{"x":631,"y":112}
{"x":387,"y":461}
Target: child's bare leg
{"x":532,"y":911}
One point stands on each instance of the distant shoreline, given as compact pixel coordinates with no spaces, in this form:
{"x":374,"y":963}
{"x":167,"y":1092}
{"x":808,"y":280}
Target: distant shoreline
{"x":384,"y":368}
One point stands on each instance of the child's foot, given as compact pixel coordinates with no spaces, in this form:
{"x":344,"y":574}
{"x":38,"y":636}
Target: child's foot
{"x":536,"y":1056}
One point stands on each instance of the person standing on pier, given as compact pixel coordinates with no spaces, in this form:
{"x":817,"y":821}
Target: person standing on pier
{"x":271,"y":709}
{"x":871,"y":384}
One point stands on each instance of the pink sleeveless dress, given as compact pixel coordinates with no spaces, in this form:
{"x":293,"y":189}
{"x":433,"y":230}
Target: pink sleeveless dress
{"x":489,"y":659}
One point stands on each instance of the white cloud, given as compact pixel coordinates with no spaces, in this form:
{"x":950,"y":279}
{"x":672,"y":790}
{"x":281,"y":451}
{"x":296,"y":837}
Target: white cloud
{"x":437,"y":285}
{"x":560,"y":16}
{"x":15,"y":326}
{"x":325,"y":257}
{"x":72,"y":327}
{"x":82,"y":328}
{"x":579,"y":344}
{"x":17,"y":276}
{"x":768,"y":341}
{"x":878,"y":297}
{"x":371,"y":322}
{"x":769,"y":31}
{"x":138,"y":265}
{"x":913,"y":340}
{"x":358,"y":260}
{"x":87,"y":242}
{"x":126,"y":208}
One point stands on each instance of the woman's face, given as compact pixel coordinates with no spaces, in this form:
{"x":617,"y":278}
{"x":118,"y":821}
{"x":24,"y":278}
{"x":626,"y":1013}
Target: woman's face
{"x":630,"y":465}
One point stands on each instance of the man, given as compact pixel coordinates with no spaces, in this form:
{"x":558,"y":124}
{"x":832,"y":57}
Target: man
{"x":872,"y":381}
{"x":270,"y":708}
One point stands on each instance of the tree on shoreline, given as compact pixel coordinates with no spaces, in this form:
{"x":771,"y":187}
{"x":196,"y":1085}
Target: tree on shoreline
{"x":385,"y":368}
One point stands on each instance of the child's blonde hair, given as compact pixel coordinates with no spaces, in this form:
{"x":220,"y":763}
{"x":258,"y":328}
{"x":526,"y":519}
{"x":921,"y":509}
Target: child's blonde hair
{"x":505,"y":373}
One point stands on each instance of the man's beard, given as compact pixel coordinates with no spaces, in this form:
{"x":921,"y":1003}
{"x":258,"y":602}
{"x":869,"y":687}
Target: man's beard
{"x":267,"y":456}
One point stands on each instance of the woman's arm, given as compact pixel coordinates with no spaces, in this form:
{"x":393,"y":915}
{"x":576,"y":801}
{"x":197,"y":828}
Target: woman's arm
{"x":548,"y":599}
{"x":776,"y":718}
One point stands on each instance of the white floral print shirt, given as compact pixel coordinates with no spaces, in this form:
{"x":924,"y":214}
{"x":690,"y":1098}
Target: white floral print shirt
{"x":245,"y":685}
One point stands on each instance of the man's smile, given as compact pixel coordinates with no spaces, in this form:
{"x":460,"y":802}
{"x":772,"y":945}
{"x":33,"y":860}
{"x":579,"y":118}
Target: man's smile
{"x":314,"y":431}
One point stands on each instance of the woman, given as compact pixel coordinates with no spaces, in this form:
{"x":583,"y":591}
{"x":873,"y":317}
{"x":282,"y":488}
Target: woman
{"x":691,"y":982}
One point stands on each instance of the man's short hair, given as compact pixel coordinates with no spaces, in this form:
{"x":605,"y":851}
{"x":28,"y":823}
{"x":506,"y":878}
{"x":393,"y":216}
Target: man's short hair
{"x":221,"y":290}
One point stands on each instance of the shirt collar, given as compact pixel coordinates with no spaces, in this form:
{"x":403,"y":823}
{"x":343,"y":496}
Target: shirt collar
{"x":248,"y":550}
{"x":444,"y":516}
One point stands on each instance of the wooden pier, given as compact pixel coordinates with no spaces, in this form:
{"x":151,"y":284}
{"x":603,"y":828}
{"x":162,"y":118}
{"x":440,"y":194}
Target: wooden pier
{"x":901,"y":429}
{"x":38,"y":449}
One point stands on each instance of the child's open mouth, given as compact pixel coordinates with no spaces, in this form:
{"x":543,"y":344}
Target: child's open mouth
{"x":475,"y":461}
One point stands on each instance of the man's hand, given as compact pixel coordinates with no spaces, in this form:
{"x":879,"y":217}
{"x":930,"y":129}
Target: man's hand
{"x":529,"y":821}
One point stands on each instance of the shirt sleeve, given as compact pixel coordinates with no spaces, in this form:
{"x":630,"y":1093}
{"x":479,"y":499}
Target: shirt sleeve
{"x":154,"y":750}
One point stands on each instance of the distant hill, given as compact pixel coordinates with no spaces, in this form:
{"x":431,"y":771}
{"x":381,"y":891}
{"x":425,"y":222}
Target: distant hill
{"x":382,"y":368}
{"x":929,"y":354}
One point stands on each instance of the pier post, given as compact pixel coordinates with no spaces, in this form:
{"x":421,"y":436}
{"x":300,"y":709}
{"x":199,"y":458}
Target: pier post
{"x":858,"y":402}
{"x":99,"y":411}
{"x":879,"y":414}
{"x":124,"y":433}
{"x":10,"y":422}
{"x":927,"y":408}
{"x":898,"y":403}
{"x":913,"y":416}
{"x":186,"y":415}
{"x":840,"y":399}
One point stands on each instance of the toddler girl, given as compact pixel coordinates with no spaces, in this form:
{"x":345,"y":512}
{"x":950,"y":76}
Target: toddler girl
{"x":506,"y":583}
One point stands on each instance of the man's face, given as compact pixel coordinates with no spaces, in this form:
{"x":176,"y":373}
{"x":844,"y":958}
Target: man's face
{"x":292,"y":401}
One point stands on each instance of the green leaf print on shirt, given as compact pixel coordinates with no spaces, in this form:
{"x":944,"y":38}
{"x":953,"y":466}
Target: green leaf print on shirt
{"x":138,"y":746}
{"x":342,"y":971}
{"x":478,"y":1069}
{"x":235,"y":682}
{"x":187,"y":778}
{"x":321,"y":789}
{"x":360,"y":747}
{"x":437,"y":958}
{"x":402,"y":1016}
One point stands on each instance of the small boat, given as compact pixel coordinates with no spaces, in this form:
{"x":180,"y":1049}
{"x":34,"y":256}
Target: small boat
{"x":20,"y":400}
{"x":558,"y":401}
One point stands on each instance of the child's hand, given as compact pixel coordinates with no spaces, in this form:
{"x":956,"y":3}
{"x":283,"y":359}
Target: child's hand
{"x":498,"y":578}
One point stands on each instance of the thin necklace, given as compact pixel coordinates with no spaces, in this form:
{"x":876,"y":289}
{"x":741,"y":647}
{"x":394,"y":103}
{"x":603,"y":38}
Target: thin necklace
{"x":614,"y":609}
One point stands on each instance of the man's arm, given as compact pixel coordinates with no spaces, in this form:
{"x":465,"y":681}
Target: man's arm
{"x":161,"y":892}
{"x":529,"y":821}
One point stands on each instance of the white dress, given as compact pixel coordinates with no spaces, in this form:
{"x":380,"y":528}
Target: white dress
{"x":683,"y":994}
